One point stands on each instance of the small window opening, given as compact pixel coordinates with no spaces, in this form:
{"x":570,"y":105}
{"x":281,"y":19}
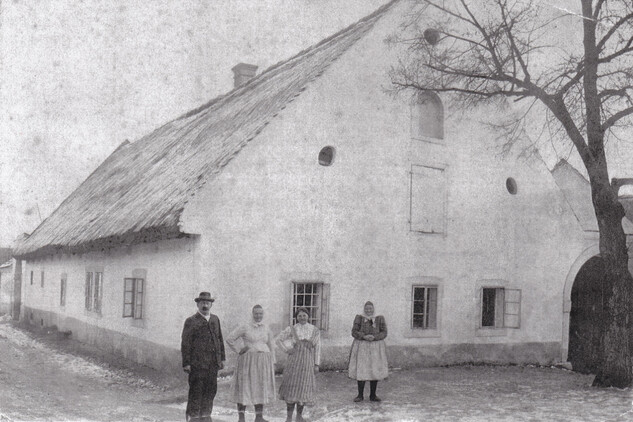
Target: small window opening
{"x":326,"y":156}
{"x":431,"y":36}
{"x":511,"y":185}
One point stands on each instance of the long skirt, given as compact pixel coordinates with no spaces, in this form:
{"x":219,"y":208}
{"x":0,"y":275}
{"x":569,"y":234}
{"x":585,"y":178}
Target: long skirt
{"x":299,"y":384}
{"x":254,"y":379}
{"x":368,"y":360}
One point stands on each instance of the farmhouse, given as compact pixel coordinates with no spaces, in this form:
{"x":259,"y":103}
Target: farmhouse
{"x":312,"y":184}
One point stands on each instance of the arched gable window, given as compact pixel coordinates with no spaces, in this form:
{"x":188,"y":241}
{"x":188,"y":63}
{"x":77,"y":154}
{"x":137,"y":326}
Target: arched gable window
{"x":427,"y":116}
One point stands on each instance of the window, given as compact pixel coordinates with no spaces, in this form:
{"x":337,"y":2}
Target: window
{"x":427,"y":116}
{"x":133,"y":298}
{"x":326,"y":156}
{"x":62,"y":290}
{"x":42,"y":280}
{"x":500,"y":307}
{"x":313,"y":297}
{"x":94,"y":291}
{"x":428,"y":199}
{"x":31,"y":278}
{"x":424,"y":312}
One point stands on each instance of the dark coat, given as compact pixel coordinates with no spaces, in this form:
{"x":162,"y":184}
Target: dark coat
{"x":202,"y":343}
{"x":363,"y":326}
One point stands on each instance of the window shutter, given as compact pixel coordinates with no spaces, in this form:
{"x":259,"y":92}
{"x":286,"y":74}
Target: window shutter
{"x":128,"y":297}
{"x":499,"y":301}
{"x":325,"y":306}
{"x":88,"y":291}
{"x":428,"y":196}
{"x":138,"y":302}
{"x":292,"y":304}
{"x":432,"y":318}
{"x":512,"y":308}
{"x":98,"y":287}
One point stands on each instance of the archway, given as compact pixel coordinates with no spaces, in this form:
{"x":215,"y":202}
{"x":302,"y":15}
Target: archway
{"x":585,"y":316}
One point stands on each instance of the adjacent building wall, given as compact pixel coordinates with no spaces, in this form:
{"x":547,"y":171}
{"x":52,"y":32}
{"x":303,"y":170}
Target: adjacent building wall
{"x":6,"y":286}
{"x":170,"y":286}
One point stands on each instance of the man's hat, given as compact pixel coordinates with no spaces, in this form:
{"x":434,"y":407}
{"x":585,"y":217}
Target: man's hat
{"x":204,"y":296}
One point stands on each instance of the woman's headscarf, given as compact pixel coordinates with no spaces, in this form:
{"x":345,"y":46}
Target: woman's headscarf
{"x":370,"y":318}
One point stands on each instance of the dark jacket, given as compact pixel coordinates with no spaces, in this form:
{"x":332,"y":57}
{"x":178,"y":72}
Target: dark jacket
{"x":202,"y":343}
{"x":363,"y":326}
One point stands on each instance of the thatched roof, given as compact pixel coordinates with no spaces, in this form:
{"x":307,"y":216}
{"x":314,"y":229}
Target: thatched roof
{"x":139,"y":192}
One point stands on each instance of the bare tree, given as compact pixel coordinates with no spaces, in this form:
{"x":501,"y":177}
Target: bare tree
{"x":482,"y":51}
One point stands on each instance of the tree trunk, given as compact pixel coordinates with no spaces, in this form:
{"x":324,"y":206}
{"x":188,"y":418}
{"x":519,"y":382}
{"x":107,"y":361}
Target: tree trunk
{"x":616,"y":368}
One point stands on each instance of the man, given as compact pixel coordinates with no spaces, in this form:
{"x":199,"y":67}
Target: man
{"x":202,"y":356}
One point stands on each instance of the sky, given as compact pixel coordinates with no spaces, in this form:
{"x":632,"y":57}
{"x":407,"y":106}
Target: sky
{"x":79,"y":77}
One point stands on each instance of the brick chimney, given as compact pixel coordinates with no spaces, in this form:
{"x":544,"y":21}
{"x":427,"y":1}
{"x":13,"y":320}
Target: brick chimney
{"x":242,"y":73}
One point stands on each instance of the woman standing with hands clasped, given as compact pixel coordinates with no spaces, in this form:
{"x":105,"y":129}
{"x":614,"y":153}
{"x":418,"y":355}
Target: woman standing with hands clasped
{"x":302,"y":342}
{"x":368,"y":356}
{"x":254,"y":378}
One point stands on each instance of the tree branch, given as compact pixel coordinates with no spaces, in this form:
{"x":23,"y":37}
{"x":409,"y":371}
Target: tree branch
{"x":616,"y":117}
{"x":613,"y":29}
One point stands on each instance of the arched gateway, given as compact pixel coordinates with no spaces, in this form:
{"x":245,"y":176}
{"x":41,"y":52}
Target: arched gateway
{"x":582,"y":311}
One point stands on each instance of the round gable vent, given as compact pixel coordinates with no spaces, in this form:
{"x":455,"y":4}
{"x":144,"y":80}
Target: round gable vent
{"x":511,"y":186}
{"x":326,"y":156}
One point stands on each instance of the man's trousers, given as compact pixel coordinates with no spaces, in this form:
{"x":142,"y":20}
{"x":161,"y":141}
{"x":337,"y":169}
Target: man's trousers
{"x":203,"y":385}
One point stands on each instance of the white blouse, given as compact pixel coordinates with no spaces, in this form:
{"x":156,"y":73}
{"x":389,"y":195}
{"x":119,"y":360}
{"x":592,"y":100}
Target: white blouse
{"x":285,"y":340}
{"x":256,"y":336}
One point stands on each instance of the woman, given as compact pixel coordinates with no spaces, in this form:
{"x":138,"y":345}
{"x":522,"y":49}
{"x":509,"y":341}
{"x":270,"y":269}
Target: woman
{"x":254,"y":378}
{"x":368,"y":356}
{"x":302,"y":342}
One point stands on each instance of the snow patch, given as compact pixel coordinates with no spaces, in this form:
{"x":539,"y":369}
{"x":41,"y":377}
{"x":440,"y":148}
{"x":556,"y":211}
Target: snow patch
{"x":72,"y":363}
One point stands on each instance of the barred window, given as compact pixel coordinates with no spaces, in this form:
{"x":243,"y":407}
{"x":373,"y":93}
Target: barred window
{"x":133,"y":298}
{"x":314,"y":297}
{"x":424,"y":312}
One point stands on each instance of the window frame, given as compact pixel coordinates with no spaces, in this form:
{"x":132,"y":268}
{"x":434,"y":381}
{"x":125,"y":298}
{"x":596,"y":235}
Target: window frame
{"x":427,"y":288}
{"x":322,"y":308}
{"x":507,"y":307}
{"x":136,"y":310}
{"x":93,"y":291}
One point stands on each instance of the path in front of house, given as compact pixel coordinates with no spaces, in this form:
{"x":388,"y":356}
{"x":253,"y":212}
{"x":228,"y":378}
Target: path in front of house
{"x":45,"y":380}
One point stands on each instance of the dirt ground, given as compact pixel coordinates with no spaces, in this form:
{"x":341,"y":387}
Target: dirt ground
{"x":44,"y":377}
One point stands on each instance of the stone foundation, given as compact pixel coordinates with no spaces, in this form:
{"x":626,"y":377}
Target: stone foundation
{"x":168,"y":359}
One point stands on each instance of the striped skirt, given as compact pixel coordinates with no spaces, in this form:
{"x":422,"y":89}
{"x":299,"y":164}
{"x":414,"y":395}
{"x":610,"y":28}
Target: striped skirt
{"x":299,"y":384}
{"x":368,"y":360}
{"x":254,"y":379}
